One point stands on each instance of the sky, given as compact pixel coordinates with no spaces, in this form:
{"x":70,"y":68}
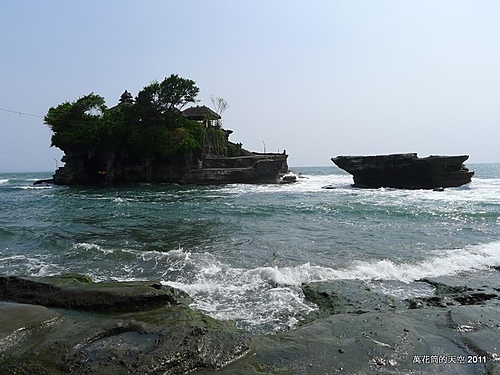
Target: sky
{"x":317,"y":78}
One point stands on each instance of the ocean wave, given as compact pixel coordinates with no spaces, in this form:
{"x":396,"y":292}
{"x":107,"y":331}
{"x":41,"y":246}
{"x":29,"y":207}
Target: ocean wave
{"x":38,"y":187}
{"x":270,"y":298}
{"x":438,"y":263}
{"x":238,"y":294}
{"x":36,"y":265}
{"x":304,"y":184}
{"x":250,"y":247}
{"x":261,"y":299}
{"x":3,"y":181}
{"x":91,"y":247}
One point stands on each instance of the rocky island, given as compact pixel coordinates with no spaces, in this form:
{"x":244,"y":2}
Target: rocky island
{"x":406,"y":171}
{"x":151,"y":139}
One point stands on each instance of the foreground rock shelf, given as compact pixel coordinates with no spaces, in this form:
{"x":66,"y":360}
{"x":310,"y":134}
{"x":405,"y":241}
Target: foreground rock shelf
{"x":406,"y":171}
{"x":359,"y":331}
{"x":107,"y":328}
{"x":69,"y":325}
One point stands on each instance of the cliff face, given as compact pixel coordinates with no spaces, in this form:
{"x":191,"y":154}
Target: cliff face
{"x":255,"y":168}
{"x":92,"y":165}
{"x":406,"y":171}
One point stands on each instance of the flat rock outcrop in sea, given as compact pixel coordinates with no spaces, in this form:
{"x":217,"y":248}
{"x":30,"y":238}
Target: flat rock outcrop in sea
{"x":68,"y":324}
{"x":406,"y":171}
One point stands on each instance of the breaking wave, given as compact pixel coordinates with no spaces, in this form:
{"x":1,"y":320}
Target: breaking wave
{"x":267,"y":298}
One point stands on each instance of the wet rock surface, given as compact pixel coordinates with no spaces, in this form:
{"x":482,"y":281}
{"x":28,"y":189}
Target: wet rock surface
{"x":359,"y":331}
{"x":80,"y":293}
{"x":356,"y":330}
{"x":157,"y":334}
{"x":347,"y":297}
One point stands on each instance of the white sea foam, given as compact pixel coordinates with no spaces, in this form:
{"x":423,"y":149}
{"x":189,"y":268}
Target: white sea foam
{"x":438,"y":263}
{"x":266,"y":298}
{"x":304,"y":184}
{"x":121,"y":200}
{"x":3,"y":181}
{"x":38,"y":187}
{"x":36,"y":265}
{"x":12,"y":257}
{"x":88,"y":246}
{"x":235,"y":293}
{"x":91,"y":247}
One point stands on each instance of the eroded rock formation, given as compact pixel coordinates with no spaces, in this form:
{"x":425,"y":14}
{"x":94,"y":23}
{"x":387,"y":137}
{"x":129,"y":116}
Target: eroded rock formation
{"x":406,"y":171}
{"x":94,"y":166}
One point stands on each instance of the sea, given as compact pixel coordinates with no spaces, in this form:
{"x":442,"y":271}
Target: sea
{"x":243,"y":251}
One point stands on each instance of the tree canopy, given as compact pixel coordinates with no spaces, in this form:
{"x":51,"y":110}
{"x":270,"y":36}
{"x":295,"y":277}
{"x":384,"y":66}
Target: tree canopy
{"x":153,"y":123}
{"x":163,"y":99}
{"x":77,"y":122}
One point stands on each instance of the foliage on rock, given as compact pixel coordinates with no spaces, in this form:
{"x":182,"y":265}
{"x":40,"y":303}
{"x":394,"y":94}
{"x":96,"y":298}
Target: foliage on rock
{"x":215,"y":141}
{"x":154,"y":123}
{"x":77,"y":123}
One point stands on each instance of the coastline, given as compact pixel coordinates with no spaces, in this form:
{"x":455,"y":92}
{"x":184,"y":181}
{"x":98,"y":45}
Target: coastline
{"x":356,"y":328}
{"x":68,"y":324}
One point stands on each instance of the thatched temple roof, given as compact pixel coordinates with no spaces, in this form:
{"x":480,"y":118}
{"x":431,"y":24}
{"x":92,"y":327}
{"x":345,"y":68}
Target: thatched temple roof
{"x":200,"y":113}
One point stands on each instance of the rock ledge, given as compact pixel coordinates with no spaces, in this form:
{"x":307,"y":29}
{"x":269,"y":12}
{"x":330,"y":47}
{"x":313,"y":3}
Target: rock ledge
{"x":406,"y":171}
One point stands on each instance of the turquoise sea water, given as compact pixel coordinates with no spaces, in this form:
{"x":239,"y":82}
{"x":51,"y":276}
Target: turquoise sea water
{"x":242,"y":251}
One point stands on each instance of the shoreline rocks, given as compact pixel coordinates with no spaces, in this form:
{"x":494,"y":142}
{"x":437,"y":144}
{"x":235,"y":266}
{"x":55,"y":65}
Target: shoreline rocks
{"x":359,"y":331}
{"x":406,"y":171}
{"x":355,"y":330}
{"x":108,"y":328}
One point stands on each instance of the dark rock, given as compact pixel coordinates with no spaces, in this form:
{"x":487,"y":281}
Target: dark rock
{"x":112,"y":328}
{"x":289,"y":178}
{"x":346,"y":297}
{"x":480,"y":289}
{"x":399,"y":342}
{"x":388,"y":338}
{"x":77,"y":293}
{"x":435,"y":301}
{"x":44,"y":182}
{"x":38,"y":340}
{"x":95,"y":166}
{"x":174,"y":339}
{"x":406,"y":171}
{"x":253,"y":169}
{"x":475,"y":298}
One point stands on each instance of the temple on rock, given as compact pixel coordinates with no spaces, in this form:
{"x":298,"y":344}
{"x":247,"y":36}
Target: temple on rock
{"x":148,"y":144}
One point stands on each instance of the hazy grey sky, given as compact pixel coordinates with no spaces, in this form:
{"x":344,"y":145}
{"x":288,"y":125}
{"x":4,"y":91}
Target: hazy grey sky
{"x":317,"y":78}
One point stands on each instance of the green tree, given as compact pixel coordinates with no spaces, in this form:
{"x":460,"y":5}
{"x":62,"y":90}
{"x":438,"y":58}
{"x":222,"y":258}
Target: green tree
{"x":152,"y":124}
{"x":77,"y":123}
{"x":158,"y":101}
